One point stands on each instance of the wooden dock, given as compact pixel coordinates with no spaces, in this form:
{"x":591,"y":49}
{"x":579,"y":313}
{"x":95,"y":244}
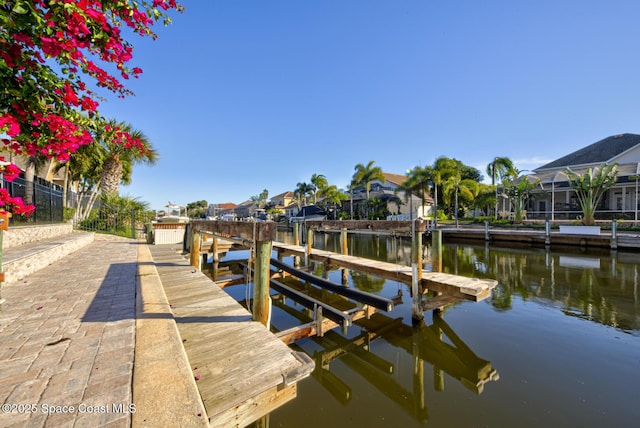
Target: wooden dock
{"x":538,"y":237}
{"x":242,"y":370}
{"x":453,"y":286}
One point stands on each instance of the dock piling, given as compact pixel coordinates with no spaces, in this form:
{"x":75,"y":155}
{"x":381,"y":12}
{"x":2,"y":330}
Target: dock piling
{"x":261,"y":299}
{"x":195,"y":249}
{"x":345,"y":251}
{"x":436,"y":250}
{"x":614,"y":234}
{"x":417,"y":315}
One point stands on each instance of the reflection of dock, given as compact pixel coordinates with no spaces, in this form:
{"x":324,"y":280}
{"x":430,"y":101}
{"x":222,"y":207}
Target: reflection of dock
{"x":452,"y":356}
{"x":436,"y":344}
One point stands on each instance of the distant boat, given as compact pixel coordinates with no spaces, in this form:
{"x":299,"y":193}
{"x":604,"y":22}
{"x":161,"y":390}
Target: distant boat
{"x":175,"y":214}
{"x":309,"y":212}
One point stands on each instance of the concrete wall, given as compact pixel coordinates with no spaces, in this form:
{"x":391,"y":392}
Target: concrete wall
{"x":20,"y":235}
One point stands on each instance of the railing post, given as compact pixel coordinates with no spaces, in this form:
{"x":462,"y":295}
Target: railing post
{"x":50,"y":203}
{"x":133,"y":224}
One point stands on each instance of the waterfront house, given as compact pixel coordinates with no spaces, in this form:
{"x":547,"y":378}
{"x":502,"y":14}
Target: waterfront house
{"x":555,"y":200}
{"x":285,"y":203}
{"x":246,"y":209}
{"x":216,"y":211}
{"x":396,"y":201}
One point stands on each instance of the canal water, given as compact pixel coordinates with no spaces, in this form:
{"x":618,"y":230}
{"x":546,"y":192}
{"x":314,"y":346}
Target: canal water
{"x":557,"y":344}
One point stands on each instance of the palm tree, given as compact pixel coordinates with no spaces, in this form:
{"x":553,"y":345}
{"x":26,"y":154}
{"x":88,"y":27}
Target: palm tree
{"x":119,"y":158}
{"x":440,"y":170}
{"x":418,"y":182}
{"x":456,"y":185}
{"x":500,"y":167}
{"x":302,"y":191}
{"x":82,"y":173}
{"x":519,"y":188}
{"x":319,"y":183}
{"x":365,"y":174}
{"x":591,"y":186}
{"x":261,"y":199}
{"x":103,"y":165}
{"x":34,"y":163}
{"x":331,"y":195}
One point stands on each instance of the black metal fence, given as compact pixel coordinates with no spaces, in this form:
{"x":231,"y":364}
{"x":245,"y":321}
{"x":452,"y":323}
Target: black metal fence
{"x":127,"y":223}
{"x":47,"y":198}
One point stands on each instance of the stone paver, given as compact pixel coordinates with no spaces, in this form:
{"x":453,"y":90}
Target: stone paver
{"x":67,"y":338}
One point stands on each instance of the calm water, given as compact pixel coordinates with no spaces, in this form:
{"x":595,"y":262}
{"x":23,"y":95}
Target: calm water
{"x":557,"y":345}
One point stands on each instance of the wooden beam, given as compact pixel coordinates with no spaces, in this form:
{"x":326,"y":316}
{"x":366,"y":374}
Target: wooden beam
{"x":250,"y":231}
{"x":378,"y":302}
{"x":372,"y":225}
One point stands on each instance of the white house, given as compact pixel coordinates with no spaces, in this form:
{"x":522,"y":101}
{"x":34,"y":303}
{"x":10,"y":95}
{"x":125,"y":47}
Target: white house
{"x":555,"y":200}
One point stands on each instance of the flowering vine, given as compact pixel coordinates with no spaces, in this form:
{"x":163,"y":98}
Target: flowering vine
{"x":49,"y":51}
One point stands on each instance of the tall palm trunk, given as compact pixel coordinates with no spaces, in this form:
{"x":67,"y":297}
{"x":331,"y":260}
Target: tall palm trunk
{"x":29,"y":178}
{"x":111,"y":175}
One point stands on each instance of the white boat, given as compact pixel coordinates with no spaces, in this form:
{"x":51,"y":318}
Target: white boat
{"x":175,"y":214}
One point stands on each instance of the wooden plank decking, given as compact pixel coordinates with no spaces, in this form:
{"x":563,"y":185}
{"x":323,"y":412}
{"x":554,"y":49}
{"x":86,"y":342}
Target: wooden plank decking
{"x":452,"y":285}
{"x":243,"y":371}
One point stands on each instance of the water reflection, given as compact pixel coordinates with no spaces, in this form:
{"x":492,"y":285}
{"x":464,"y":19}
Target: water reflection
{"x":594,"y":285}
{"x":437,"y":345}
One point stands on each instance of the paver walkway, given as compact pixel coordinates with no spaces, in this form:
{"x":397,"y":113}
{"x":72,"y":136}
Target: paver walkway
{"x":67,"y":338}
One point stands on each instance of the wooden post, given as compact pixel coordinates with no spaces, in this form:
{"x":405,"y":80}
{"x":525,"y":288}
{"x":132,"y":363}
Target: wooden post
{"x":547,"y":233}
{"x":417,"y":315}
{"x":261,"y":299}
{"x":436,"y":250}
{"x":614,"y":234}
{"x":345,"y":250}
{"x":309,"y":242}
{"x":296,"y":242}
{"x":195,"y":249}
{"x":214,"y":249}
{"x":487,"y":237}
{"x":419,"y":256}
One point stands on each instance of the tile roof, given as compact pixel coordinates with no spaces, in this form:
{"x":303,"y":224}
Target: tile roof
{"x":396,"y":179}
{"x":596,"y":153}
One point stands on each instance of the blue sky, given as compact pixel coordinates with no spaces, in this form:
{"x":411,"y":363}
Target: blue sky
{"x":240,"y":96}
